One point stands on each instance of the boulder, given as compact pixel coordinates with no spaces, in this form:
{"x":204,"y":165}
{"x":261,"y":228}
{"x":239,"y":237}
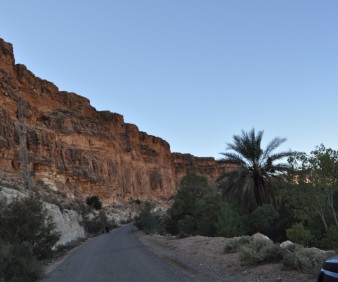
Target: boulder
{"x":260,"y":236}
{"x":286,"y":244}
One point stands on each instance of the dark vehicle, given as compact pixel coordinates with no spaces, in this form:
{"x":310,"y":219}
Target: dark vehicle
{"x":329,"y":270}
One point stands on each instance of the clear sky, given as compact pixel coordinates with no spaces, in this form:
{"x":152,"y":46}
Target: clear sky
{"x":191,"y":72}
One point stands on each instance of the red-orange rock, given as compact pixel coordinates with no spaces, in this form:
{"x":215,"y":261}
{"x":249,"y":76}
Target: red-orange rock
{"x":74,"y":148}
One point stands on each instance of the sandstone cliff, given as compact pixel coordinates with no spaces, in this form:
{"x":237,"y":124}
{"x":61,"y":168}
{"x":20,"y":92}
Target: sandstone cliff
{"x":76,"y":149}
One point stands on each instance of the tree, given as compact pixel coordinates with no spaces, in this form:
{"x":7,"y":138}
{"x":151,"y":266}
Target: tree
{"x":230,"y":222}
{"x":94,"y":202}
{"x":196,"y":207}
{"x":192,"y":188}
{"x":252,"y":184}
{"x":323,"y":168}
{"x":318,"y":173}
{"x":27,"y":236}
{"x":26,"y":220}
{"x":303,"y":200}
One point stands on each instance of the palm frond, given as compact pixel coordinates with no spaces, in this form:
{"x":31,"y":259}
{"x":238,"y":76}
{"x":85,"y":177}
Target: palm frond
{"x":280,"y":155}
{"x":253,"y":184}
{"x":234,"y":158}
{"x":273,"y":144}
{"x":248,"y":145}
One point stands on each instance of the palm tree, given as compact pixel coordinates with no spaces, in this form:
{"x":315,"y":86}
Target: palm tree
{"x":252,"y":184}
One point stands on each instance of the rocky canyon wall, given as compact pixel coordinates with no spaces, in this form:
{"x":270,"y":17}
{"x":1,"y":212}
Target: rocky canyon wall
{"x":76,"y":149}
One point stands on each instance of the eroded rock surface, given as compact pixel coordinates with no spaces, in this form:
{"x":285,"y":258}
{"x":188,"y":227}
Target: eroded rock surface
{"x":76,"y":149}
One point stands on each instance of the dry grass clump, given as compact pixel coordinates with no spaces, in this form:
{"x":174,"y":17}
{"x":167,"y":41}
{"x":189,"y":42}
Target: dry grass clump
{"x":259,"y":251}
{"x":305,"y":260}
{"x":234,"y":244}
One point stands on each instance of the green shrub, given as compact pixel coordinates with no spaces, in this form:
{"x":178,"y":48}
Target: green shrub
{"x":192,"y":188}
{"x":26,"y":220}
{"x":196,"y":207}
{"x":18,"y":263}
{"x":330,"y":240}
{"x":273,"y":253}
{"x":125,"y":221}
{"x":262,"y":220}
{"x":207,"y":213}
{"x":187,"y":226}
{"x":299,"y":234}
{"x":234,"y":244}
{"x":138,"y":202}
{"x":170,"y":226}
{"x":230,"y":223}
{"x":259,"y":251}
{"x":94,"y":202}
{"x":306,"y":260}
{"x":148,"y":222}
{"x":96,"y":224}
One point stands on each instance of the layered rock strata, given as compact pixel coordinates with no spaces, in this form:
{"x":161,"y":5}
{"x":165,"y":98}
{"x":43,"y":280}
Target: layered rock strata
{"x":76,"y":149}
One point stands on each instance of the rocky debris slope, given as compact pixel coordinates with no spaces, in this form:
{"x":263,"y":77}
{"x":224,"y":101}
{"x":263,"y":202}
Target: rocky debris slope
{"x":76,"y":149}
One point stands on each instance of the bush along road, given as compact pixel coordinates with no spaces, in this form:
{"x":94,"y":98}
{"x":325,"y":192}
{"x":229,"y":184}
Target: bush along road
{"x":116,"y":256}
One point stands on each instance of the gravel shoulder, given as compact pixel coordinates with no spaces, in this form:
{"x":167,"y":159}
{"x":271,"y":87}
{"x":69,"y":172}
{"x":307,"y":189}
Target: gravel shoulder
{"x":203,"y":259}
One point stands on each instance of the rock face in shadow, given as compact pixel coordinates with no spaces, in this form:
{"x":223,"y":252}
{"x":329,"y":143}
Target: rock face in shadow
{"x":76,"y":149}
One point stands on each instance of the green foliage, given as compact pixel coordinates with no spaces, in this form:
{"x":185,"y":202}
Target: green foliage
{"x":253,"y":184}
{"x":147,"y":221}
{"x":192,"y":188}
{"x":317,"y":175}
{"x":284,"y":221}
{"x":27,"y":235}
{"x":330,"y":240}
{"x":26,"y":220}
{"x":94,"y":202}
{"x":299,"y":234}
{"x":207,"y":214}
{"x":18,"y":263}
{"x":230,"y":222}
{"x":273,"y":253}
{"x":234,"y":244}
{"x":95,"y":223}
{"x":306,"y":260}
{"x":310,"y":197}
{"x":262,"y":220}
{"x":258,"y":251}
{"x":196,"y":207}
{"x":187,"y":226}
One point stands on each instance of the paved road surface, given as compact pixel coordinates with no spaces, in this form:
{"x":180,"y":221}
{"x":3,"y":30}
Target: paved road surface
{"x":118,"y":256}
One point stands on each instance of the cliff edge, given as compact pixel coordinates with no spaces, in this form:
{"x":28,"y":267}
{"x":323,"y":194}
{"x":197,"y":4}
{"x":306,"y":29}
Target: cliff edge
{"x":76,"y":149}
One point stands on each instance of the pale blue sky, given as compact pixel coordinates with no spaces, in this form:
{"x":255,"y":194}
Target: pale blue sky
{"x":191,"y":72}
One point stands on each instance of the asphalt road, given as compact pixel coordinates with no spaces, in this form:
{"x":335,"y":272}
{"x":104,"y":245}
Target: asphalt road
{"x":118,"y":256}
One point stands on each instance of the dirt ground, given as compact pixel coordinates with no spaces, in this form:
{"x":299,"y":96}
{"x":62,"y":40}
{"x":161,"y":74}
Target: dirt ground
{"x":203,"y":258}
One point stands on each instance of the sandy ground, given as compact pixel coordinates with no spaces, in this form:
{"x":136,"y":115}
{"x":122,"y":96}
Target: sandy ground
{"x":203,"y":258}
